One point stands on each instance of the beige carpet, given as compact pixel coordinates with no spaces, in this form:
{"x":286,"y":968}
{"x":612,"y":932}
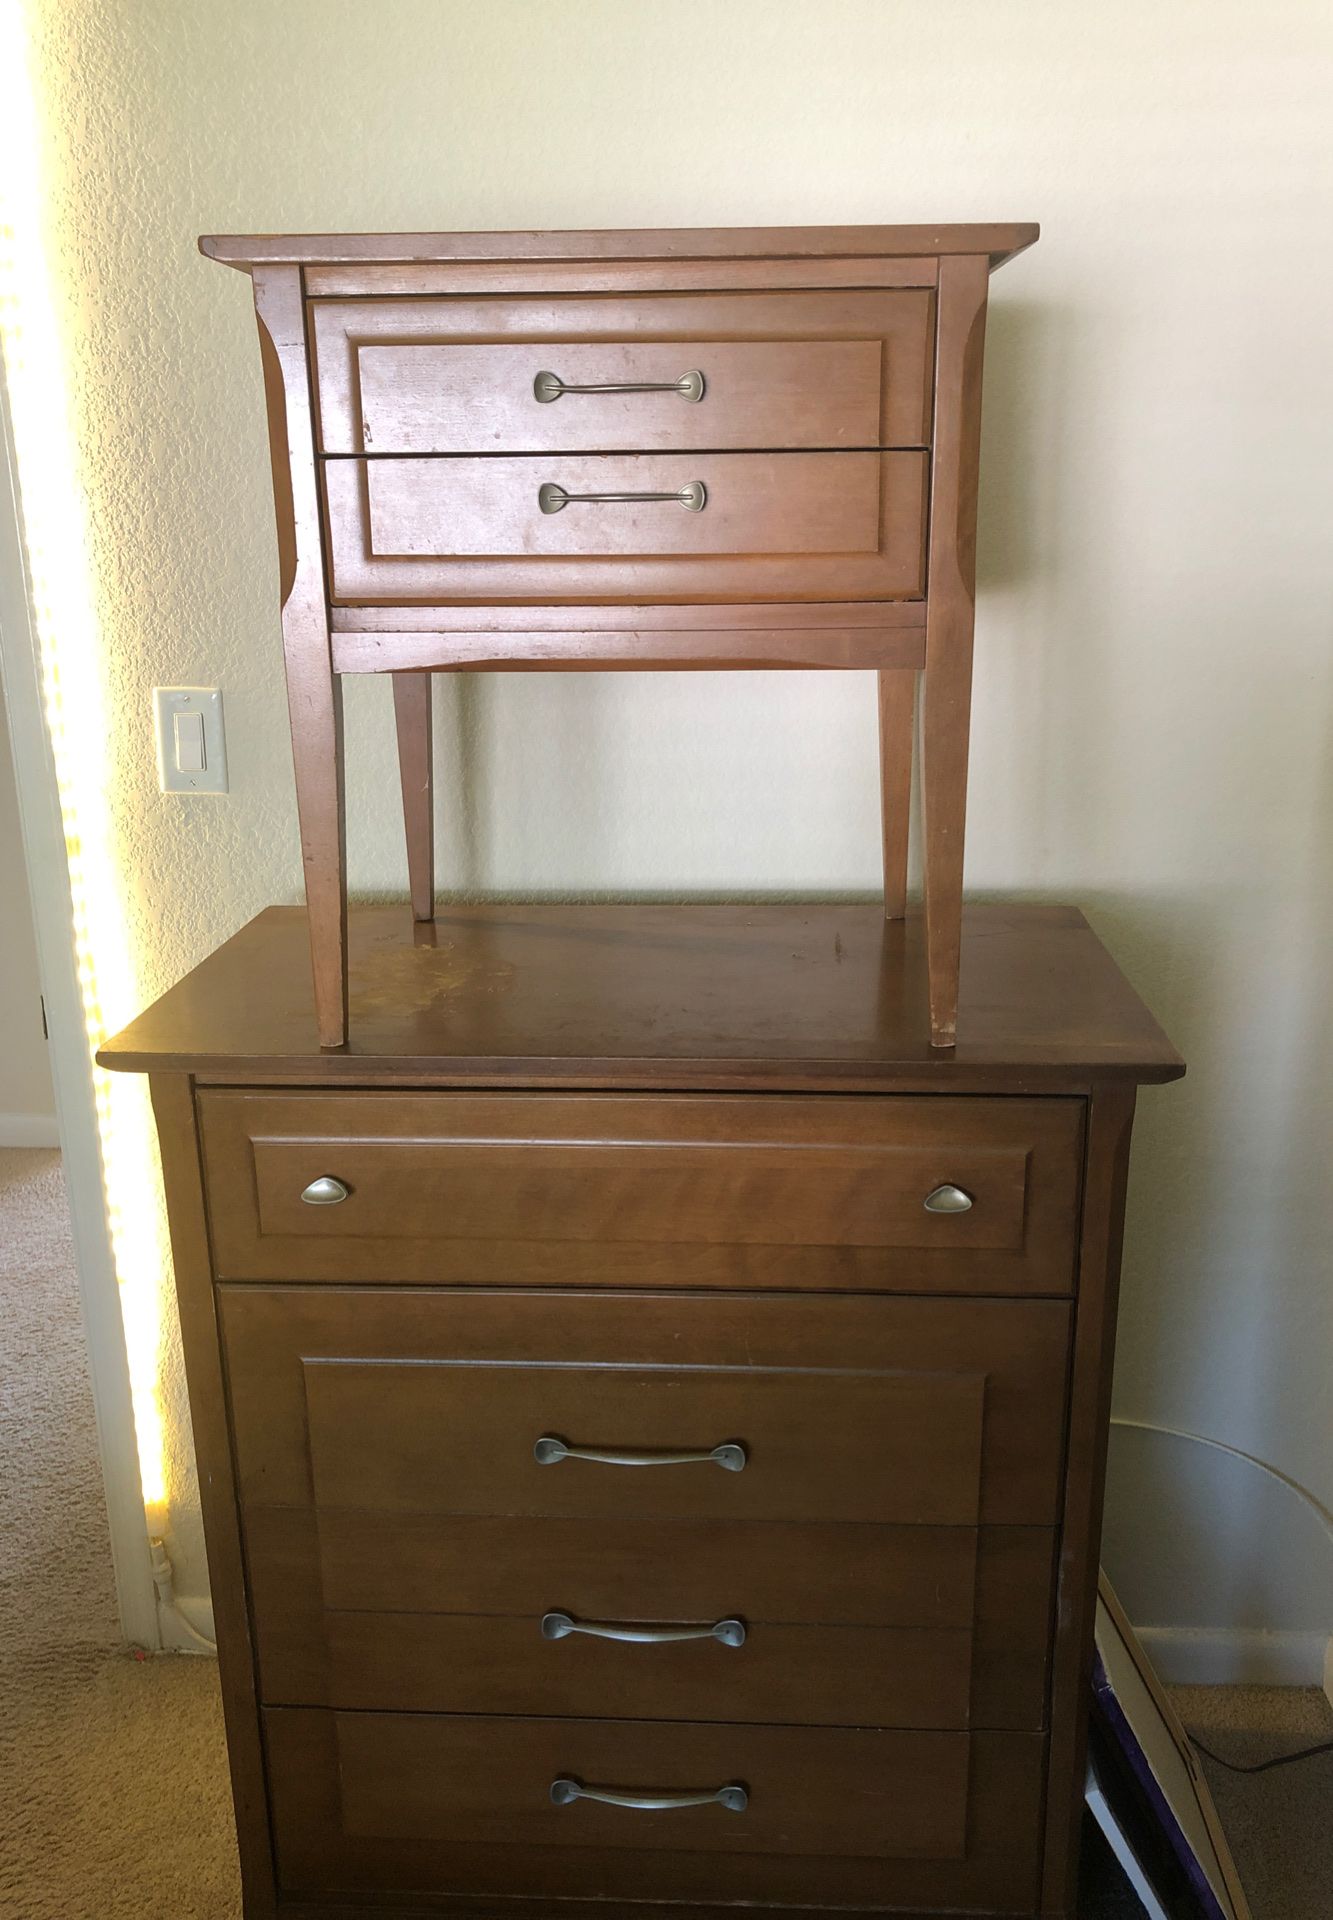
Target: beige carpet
{"x":113,"y":1789}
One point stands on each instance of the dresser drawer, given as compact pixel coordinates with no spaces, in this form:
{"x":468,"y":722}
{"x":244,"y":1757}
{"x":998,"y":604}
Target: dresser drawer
{"x":463,"y":1804}
{"x":731,"y":1191}
{"x":633,"y":526}
{"x":880,"y":1410}
{"x":773,"y":370}
{"x":930,"y":1627}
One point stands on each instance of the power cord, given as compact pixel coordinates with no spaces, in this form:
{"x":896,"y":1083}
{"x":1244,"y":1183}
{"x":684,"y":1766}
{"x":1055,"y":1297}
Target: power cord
{"x":1263,"y":1766}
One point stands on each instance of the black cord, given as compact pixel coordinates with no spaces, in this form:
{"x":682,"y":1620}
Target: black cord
{"x":1282,"y":1760}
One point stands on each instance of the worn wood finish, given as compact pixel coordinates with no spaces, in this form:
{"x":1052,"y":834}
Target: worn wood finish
{"x":412,"y":720}
{"x":897,"y":715}
{"x":409,"y":1785}
{"x":788,"y":370}
{"x":676,"y":1191}
{"x":314,"y":694}
{"x":848,"y":1624}
{"x":786,"y":998}
{"x":173,"y":1111}
{"x":422,"y":351}
{"x":791,"y":526}
{"x":946,"y":686}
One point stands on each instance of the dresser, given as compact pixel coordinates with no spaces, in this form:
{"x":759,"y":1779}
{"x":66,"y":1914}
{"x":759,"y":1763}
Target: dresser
{"x":650,"y":1404}
{"x":658,"y":449}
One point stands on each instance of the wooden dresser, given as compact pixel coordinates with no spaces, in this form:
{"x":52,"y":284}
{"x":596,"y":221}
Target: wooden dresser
{"x":650,"y":1405}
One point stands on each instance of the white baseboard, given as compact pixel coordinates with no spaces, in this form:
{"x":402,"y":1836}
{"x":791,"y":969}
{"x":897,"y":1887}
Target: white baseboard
{"x":28,"y":1130}
{"x":1207,"y":1657}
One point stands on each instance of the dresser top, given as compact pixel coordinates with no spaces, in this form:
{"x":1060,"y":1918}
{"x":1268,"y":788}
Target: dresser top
{"x":827,"y":997}
{"x":999,"y":240}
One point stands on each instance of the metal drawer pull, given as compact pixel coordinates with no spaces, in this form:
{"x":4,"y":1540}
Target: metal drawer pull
{"x":551,"y":1448}
{"x":558,"y":1626}
{"x":690,"y":386}
{"x":564,"y":1792}
{"x":948,"y":1200}
{"x":325,"y":1192}
{"x":693,"y":496}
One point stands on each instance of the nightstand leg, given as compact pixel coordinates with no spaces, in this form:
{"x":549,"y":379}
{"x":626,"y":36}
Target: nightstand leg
{"x":412,"y":716}
{"x":946,"y":687}
{"x":317,"y":749}
{"x":897,"y":704}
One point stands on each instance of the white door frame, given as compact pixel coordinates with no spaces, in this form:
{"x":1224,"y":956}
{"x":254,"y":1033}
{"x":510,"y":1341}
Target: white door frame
{"x":71,"y":1065}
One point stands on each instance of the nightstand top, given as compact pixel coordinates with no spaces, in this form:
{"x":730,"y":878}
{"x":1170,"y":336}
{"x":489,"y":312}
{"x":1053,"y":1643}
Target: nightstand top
{"x":815,"y":998}
{"x":1000,"y":240}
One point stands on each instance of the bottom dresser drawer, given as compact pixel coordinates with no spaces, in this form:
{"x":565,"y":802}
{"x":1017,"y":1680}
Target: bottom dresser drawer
{"x":469,"y":1805}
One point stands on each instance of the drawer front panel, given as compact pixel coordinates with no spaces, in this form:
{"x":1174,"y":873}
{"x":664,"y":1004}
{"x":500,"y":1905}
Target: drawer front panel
{"x":771,"y":526}
{"x":465,"y":1805}
{"x":793,"y":370}
{"x":845,"y":1625}
{"x":828,"y":1192}
{"x":420,"y":1403}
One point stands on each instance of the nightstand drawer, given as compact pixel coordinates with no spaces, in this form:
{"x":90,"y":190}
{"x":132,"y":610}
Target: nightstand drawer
{"x":855,"y":1625}
{"x":733,"y":1409}
{"x":624,"y":526}
{"x":712,"y":371}
{"x":731,"y":1191}
{"x":504,"y":1806}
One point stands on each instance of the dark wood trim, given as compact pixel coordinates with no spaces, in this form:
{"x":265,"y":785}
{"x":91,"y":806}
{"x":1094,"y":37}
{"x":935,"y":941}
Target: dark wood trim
{"x":173,"y":1108}
{"x":1105,"y":1179}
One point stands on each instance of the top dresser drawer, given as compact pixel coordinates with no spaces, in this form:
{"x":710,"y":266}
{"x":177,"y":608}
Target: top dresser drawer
{"x":715,"y":371}
{"x":628,"y":1190}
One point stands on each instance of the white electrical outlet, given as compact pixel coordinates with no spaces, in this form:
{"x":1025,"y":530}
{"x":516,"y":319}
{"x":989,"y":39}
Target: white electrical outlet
{"x":191,"y":741}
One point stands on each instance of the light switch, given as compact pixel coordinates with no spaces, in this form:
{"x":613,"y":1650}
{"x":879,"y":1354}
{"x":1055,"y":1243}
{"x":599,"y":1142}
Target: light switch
{"x":191,"y":743}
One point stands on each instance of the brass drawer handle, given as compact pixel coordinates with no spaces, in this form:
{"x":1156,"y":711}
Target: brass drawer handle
{"x":551,"y":1449}
{"x":564,"y":1792}
{"x":948,"y":1199}
{"x":690,"y":386}
{"x":325,"y":1192}
{"x":558,"y":1626}
{"x":693,"y":496}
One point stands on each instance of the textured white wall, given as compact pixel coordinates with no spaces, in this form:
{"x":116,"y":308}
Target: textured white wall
{"x":1154,"y":674}
{"x":27,"y":1102}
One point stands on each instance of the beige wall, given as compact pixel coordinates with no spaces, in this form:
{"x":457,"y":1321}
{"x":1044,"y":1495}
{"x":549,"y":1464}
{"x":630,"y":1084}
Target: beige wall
{"x":1154,"y":671}
{"x":27,"y":1102}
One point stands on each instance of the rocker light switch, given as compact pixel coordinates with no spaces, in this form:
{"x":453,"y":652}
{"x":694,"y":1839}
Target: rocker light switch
{"x":191,"y":744}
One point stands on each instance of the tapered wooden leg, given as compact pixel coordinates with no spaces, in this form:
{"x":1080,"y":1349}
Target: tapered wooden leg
{"x":314,"y":694}
{"x":946,"y":688}
{"x":897,"y":704}
{"x":412,"y":716}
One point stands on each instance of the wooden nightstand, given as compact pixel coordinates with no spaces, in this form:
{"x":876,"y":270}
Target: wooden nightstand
{"x":651,"y":1407}
{"x":721,"y":448}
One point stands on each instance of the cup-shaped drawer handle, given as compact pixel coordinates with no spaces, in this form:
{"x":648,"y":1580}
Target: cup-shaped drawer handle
{"x":558,"y":1626}
{"x":551,"y":1449}
{"x":948,"y":1199}
{"x":693,"y":496}
{"x":565,"y":1791}
{"x":549,"y":386}
{"x":325,"y":1192}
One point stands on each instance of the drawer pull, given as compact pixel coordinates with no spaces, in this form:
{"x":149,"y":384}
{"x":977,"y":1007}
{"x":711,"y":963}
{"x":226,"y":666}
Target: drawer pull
{"x":693,"y":496}
{"x":948,"y":1199}
{"x":558,"y":1626}
{"x":551,"y":1448}
{"x":690,"y":386}
{"x":564,"y":1792}
{"x":325,"y":1192}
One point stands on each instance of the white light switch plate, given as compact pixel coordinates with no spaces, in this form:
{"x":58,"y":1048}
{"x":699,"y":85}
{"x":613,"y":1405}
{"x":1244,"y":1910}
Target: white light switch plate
{"x":189,"y":719}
